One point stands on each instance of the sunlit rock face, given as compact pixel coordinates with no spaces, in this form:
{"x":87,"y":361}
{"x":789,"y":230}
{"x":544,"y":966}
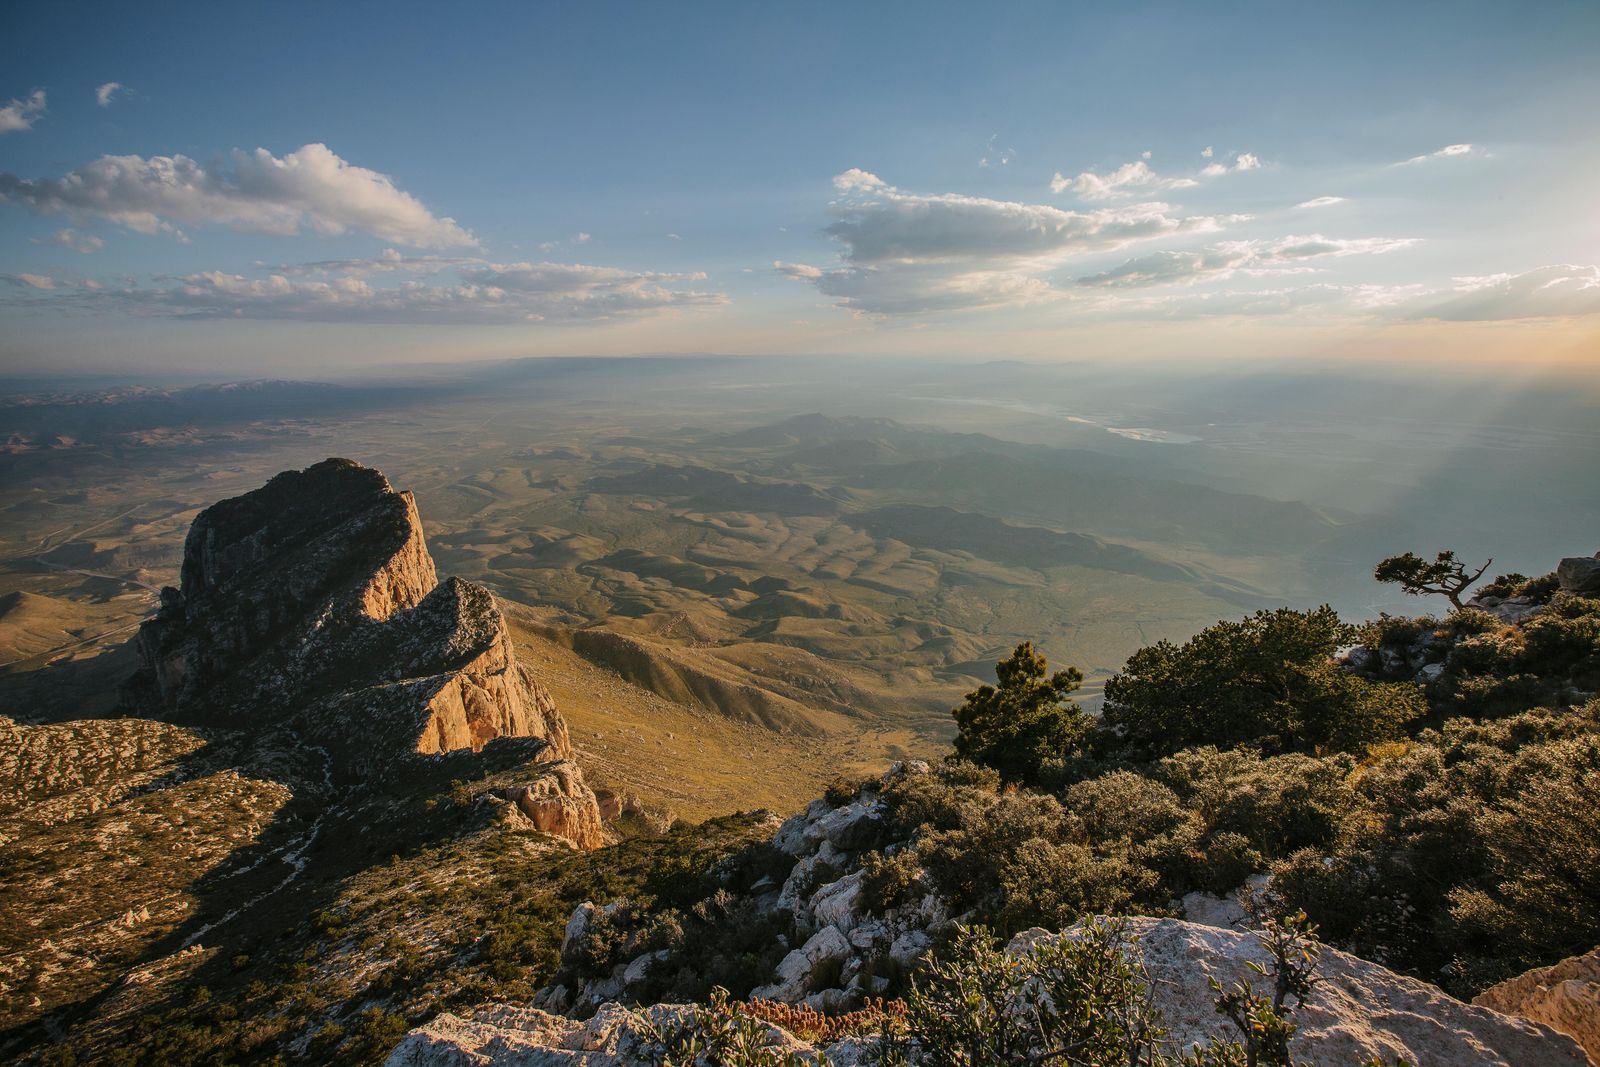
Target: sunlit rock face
{"x":312,"y":602}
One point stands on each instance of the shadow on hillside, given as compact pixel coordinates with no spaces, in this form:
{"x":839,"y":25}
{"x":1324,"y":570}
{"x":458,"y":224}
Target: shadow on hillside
{"x":256,"y":908}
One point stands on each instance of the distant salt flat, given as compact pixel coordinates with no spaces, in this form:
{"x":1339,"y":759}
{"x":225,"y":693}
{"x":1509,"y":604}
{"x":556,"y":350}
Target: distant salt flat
{"x":1050,"y":411}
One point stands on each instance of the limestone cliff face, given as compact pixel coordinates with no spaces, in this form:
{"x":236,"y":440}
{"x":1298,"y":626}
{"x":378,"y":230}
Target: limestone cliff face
{"x":313,"y":602}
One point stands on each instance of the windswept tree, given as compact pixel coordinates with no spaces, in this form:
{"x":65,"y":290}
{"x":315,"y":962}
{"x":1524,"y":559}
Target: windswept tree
{"x":1445,"y":576}
{"x":1015,"y":726}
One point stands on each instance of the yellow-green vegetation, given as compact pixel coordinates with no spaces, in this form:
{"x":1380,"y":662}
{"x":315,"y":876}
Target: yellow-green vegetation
{"x":695,"y":760}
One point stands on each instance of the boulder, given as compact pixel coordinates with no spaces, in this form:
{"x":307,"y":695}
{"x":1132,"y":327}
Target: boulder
{"x":840,"y":903}
{"x":798,"y":836}
{"x":855,"y":826}
{"x":1564,"y":996}
{"x":810,"y":967}
{"x":638,"y":971}
{"x":1358,"y":1011}
{"x":1579,"y":575}
{"x":577,"y":931}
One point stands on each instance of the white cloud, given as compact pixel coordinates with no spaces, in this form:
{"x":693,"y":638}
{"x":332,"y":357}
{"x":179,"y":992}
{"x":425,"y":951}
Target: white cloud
{"x":1126,"y":180}
{"x":907,"y":253}
{"x":1206,"y":152}
{"x":311,"y":188}
{"x":1557,"y":291}
{"x":32,"y":281}
{"x":1447,"y":152}
{"x":69,"y":238}
{"x":482,"y":293}
{"x":797,"y":270}
{"x":1223,"y":260}
{"x":1138,"y":178}
{"x":890,"y":224}
{"x":20,"y":115}
{"x":582,"y":238}
{"x":108,"y":92}
{"x":1321,"y":201}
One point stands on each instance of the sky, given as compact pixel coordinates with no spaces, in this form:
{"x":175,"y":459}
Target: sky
{"x":281,"y":188}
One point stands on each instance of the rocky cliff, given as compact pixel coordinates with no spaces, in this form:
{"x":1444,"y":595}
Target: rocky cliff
{"x":312,"y":603}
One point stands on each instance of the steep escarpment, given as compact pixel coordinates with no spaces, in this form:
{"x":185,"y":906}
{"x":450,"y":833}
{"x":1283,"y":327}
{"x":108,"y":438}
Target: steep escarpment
{"x":312,"y":604}
{"x":314,"y":596}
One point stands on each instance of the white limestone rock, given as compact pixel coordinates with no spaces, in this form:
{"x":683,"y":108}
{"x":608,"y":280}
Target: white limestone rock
{"x":1359,"y":1010}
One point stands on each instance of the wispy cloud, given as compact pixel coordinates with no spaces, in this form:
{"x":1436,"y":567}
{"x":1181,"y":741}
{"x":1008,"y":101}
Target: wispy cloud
{"x":108,"y":92}
{"x":481,"y":293}
{"x":994,"y":156}
{"x":1223,"y":260}
{"x":70,"y":238}
{"x":19,"y":115}
{"x":1449,"y":151}
{"x":1321,"y":201}
{"x":32,"y":281}
{"x":1556,"y":291}
{"x":308,"y":189}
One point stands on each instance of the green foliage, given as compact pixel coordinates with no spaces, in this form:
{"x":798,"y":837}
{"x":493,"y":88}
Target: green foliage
{"x":1024,"y":721}
{"x":1540,"y":898}
{"x":1277,"y":803}
{"x":1262,"y":1021}
{"x":1267,"y":681}
{"x":890,"y":881}
{"x":1067,"y":1000}
{"x":1470,"y":854}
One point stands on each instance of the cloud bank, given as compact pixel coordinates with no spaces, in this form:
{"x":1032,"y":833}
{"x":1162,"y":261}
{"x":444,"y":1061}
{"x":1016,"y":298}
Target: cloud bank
{"x":482,"y":293}
{"x":904,"y":253}
{"x":308,"y":189}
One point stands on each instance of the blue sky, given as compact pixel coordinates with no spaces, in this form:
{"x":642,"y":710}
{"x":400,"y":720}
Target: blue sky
{"x":305,"y":185}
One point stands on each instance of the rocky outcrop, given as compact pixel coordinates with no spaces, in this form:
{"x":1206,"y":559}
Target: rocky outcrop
{"x":312,"y":604}
{"x":1564,"y":996}
{"x":1579,"y":575}
{"x":613,"y":1037}
{"x":560,"y":804}
{"x":1358,"y":1011}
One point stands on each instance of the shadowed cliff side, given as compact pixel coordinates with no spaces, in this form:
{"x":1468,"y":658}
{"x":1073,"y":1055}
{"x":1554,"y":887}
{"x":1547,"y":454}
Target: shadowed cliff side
{"x":312,"y":604}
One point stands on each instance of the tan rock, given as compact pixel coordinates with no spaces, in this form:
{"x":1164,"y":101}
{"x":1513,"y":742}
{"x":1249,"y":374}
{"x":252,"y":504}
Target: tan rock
{"x":1564,"y":996}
